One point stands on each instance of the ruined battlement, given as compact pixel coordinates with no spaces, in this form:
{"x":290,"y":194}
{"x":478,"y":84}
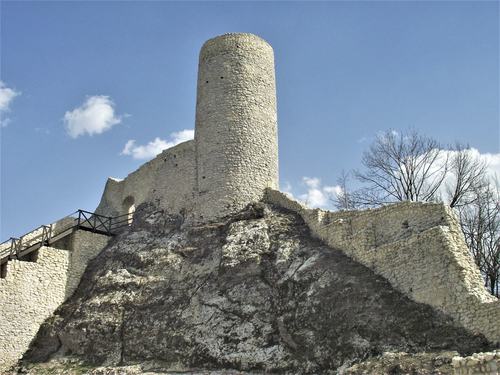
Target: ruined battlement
{"x":418,"y":247}
{"x":168,"y":181}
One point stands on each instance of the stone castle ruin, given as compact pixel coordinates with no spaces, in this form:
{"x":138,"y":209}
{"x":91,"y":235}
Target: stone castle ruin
{"x":234,"y":155}
{"x":231,"y":163}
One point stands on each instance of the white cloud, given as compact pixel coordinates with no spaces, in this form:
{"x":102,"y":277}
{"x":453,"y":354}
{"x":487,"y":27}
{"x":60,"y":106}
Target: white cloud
{"x":7,"y":95}
{"x":153,"y":148}
{"x":333,"y":190}
{"x":311,"y":182}
{"x":95,"y":116}
{"x":318,"y":195}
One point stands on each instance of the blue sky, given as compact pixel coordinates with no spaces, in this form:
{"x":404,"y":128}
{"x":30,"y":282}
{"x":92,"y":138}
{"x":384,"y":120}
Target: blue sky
{"x":345,"y":71}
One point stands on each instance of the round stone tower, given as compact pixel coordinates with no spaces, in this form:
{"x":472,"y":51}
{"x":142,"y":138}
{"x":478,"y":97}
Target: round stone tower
{"x":236,"y":125}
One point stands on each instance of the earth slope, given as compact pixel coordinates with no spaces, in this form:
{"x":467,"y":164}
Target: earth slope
{"x":254,"y":293}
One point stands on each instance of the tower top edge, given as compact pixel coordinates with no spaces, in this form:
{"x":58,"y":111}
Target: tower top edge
{"x":235,"y":38}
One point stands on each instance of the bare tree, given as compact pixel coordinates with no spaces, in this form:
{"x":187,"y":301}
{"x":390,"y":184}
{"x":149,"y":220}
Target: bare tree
{"x":480,"y":222}
{"x":468,"y":174}
{"x":401,"y":167}
{"x":412,"y":167}
{"x":344,"y":199}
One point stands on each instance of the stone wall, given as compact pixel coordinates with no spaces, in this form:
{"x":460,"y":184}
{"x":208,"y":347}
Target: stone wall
{"x":173,"y":189}
{"x":167,"y":180}
{"x":418,"y":247}
{"x":477,"y":364}
{"x":31,"y":291}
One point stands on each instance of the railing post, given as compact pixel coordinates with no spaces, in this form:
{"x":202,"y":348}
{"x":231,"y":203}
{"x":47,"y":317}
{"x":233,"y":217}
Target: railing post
{"x":46,"y":232}
{"x":79,"y":218}
{"x":19,"y":245}
{"x":15,"y":246}
{"x":12,"y":247}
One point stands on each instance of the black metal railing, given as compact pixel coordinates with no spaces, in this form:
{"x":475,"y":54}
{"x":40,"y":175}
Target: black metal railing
{"x":82,"y":220}
{"x":93,"y":222}
{"x":18,"y":244}
{"x":108,"y":225}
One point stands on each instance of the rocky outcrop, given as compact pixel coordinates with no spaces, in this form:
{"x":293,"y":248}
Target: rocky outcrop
{"x":253,"y":293}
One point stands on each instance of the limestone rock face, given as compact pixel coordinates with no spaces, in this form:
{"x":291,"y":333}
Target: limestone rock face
{"x":253,"y":293}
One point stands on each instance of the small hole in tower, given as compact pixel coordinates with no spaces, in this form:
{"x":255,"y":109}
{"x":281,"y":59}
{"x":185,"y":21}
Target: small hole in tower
{"x":176,"y":164}
{"x":221,"y":77}
{"x":405,"y":224}
{"x":203,"y":177}
{"x":206,"y":81}
{"x":175,"y":155}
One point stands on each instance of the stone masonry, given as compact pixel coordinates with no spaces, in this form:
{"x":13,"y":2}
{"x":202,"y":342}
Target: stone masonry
{"x":418,"y":248}
{"x":236,"y":124}
{"x":477,"y":364}
{"x":31,"y":291}
{"x":234,"y":155}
